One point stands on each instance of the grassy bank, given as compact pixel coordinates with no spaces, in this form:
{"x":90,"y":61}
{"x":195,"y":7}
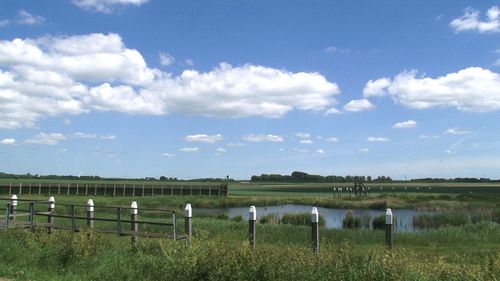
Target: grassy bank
{"x":220,"y":252}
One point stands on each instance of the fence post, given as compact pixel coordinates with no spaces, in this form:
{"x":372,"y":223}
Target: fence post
{"x":13,"y":207}
{"x":90,"y":213}
{"x":133,"y":225}
{"x":73,"y":219}
{"x":315,"y":230}
{"x":188,"y":221}
{"x":50,"y":219}
{"x":388,"y":229}
{"x":252,"y":218}
{"x":7,"y":215}
{"x":32,"y":216}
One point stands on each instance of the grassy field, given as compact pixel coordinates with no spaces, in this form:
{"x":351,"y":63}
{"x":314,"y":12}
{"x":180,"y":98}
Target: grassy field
{"x":220,"y":250}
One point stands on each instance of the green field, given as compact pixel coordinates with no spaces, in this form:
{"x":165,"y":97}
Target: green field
{"x":220,"y":250}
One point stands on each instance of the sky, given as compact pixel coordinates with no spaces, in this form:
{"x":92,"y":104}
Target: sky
{"x":192,"y":89}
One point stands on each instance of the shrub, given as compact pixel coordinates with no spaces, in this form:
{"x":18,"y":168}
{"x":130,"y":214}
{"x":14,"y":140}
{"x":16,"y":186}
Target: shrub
{"x":301,"y":219}
{"x":269,"y":218}
{"x":351,"y":221}
{"x":439,"y":220}
{"x":379,"y":222}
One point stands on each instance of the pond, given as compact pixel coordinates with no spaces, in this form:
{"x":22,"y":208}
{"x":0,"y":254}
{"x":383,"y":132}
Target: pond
{"x":334,"y":217}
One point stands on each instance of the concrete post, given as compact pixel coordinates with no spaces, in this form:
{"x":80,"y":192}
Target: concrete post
{"x":90,"y":213}
{"x":389,"y":228}
{"x":315,"y":230}
{"x":13,"y":207}
{"x":133,"y":225}
{"x":188,"y":221}
{"x":52,"y":207}
{"x":252,"y":219}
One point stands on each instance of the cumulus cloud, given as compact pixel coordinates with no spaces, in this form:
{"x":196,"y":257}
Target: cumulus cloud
{"x":263,"y":138}
{"x":359,"y":105}
{"x":46,"y":139}
{"x":189,"y":149}
{"x":82,"y":135}
{"x":471,"y":21}
{"x":235,"y":144}
{"x":23,"y":17}
{"x":106,"y":6}
{"x":166,"y":59}
{"x":320,"y":151}
{"x":363,"y":150}
{"x":221,"y":150}
{"x":376,"y":88}
{"x":301,"y":150}
{"x":471,"y":89}
{"x":168,"y":155}
{"x":204,"y":138}
{"x":108,"y":137}
{"x":8,"y":141}
{"x":457,"y":131}
{"x":333,"y":110}
{"x":377,"y":139}
{"x":70,"y":75}
{"x":405,"y":124}
{"x":306,"y":141}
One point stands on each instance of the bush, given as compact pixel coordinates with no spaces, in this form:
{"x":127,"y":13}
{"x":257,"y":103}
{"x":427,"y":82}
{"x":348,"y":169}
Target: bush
{"x":301,"y":219}
{"x":269,"y":218}
{"x":379,"y":222}
{"x":444,"y":219}
{"x":238,"y":218}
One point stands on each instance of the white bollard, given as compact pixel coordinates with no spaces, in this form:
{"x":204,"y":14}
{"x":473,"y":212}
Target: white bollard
{"x":252,"y":218}
{"x":13,"y":207}
{"x":90,"y":213}
{"x":50,"y":218}
{"x":315,"y":230}
{"x":133,"y":225}
{"x":389,"y":228}
{"x":188,"y":221}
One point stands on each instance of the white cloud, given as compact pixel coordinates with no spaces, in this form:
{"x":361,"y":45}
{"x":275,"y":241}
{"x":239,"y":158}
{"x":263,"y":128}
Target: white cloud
{"x":28,"y":19}
{"x":306,"y":141}
{"x":106,"y":6}
{"x":108,"y":137}
{"x":71,"y":75}
{"x":429,"y":136}
{"x":332,"y":139}
{"x":46,"y":139}
{"x":4,"y":23}
{"x":457,"y":131}
{"x":302,"y":135}
{"x":333,"y":110}
{"x":333,"y":49}
{"x":471,"y":89}
{"x":405,"y":124}
{"x":189,"y":149}
{"x":320,"y":151}
{"x":471,"y":21}
{"x":84,"y":135}
{"x":377,"y":139}
{"x":235,"y":144}
{"x":363,"y":150}
{"x":168,"y":155}
{"x":359,"y":105}
{"x":166,"y":59}
{"x":376,"y":88}
{"x":449,"y":151}
{"x":204,"y":138}
{"x":262,"y":138}
{"x":8,"y":141}
{"x":221,"y":150}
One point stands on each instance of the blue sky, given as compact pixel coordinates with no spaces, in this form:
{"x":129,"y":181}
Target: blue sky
{"x":188,"y":89}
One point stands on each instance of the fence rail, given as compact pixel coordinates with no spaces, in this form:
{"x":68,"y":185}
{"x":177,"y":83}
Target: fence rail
{"x":43,"y":214}
{"x":113,"y":189}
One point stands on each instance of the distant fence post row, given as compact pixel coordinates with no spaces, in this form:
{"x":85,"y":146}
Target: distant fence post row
{"x":155,"y":227}
{"x":114,"y":189}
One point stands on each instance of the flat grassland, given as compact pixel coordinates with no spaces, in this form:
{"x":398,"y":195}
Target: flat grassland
{"x":220,"y":251}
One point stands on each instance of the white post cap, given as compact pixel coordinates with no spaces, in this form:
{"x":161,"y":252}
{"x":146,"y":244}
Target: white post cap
{"x":90,"y":205}
{"x":14,"y":199}
{"x":314,"y":215}
{"x":252,"y":214}
{"x":133,"y":207}
{"x":188,"y":211}
{"x":52,"y":202}
{"x":388,"y":216}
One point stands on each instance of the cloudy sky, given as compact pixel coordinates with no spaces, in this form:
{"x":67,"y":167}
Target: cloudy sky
{"x":135,"y":88}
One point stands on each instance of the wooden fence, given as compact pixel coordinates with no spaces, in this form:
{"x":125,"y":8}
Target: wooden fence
{"x":113,"y":189}
{"x":156,"y":223}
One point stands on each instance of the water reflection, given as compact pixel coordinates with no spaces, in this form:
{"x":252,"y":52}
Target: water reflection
{"x":333,"y":217}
